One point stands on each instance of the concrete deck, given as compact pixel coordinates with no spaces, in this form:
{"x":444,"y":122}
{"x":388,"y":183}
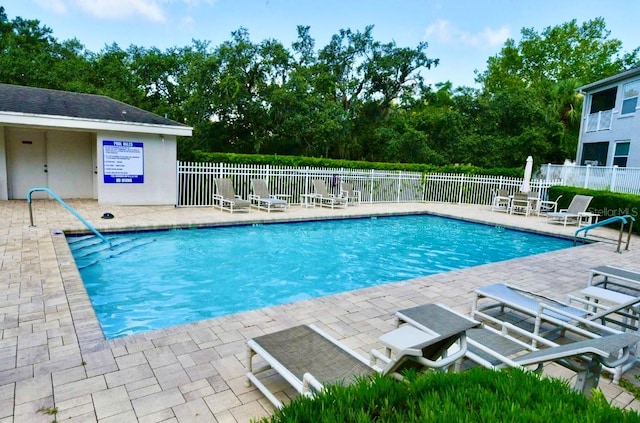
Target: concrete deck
{"x":53,"y":354}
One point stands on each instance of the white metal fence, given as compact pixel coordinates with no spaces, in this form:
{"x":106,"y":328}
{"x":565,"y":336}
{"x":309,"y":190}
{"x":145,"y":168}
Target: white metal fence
{"x":476,"y":189}
{"x":196,"y":183}
{"x":613,"y":178}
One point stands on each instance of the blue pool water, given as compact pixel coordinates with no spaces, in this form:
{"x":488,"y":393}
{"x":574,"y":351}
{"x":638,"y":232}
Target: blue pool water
{"x":151,"y":280}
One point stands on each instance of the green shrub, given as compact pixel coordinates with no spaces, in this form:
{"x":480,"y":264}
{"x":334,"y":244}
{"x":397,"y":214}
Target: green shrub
{"x":301,"y":161}
{"x":476,"y":395}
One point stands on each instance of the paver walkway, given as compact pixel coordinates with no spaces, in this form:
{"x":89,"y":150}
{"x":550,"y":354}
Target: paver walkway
{"x":52,"y":353}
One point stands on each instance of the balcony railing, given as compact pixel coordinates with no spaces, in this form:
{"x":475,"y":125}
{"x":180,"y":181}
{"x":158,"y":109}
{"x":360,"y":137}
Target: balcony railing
{"x":599,"y":121}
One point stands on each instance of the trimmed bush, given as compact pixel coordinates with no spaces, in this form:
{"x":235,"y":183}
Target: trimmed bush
{"x":476,"y":395}
{"x":300,"y":161}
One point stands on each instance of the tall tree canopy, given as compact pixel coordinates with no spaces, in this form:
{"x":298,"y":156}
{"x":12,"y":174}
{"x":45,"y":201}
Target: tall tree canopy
{"x":532,"y":86}
{"x":355,"y":98}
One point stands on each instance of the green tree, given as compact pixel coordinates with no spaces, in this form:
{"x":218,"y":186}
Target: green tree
{"x":160,"y":75}
{"x":31,"y":56}
{"x":529,"y":88}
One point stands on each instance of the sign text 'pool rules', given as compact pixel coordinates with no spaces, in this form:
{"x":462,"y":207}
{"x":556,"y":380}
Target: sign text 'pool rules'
{"x":123,"y":162}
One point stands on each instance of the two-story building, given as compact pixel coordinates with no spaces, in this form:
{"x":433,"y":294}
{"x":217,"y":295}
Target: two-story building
{"x":610,"y":126}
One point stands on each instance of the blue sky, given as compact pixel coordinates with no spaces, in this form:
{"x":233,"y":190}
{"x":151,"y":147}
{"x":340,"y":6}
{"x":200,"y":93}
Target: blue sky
{"x":463,"y":34}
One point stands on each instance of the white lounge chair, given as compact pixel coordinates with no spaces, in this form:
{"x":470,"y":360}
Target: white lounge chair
{"x":323,"y":197}
{"x":573,"y":213}
{"x":227,"y":198}
{"x":616,"y":276}
{"x":353,"y":196}
{"x":529,"y":303}
{"x":308,"y":358}
{"x":501,"y":201}
{"x":547,"y":310}
{"x":521,"y":204}
{"x":587,"y":321}
{"x":497,"y":348}
{"x":548,"y":206}
{"x":263,"y":199}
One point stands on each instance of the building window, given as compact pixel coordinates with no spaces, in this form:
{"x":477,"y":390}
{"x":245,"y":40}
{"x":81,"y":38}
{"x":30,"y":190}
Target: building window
{"x":621,"y":154}
{"x":603,"y":100}
{"x":595,"y":153}
{"x":630,"y":94}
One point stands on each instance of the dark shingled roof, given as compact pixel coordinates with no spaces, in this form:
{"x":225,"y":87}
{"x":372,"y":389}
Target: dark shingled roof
{"x":41,"y":101}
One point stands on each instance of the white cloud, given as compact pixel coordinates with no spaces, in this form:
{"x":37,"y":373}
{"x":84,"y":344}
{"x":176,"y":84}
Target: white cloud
{"x":447,"y":33}
{"x":151,"y":10}
{"x":56,"y":6}
{"x":194,"y":3}
{"x":188,"y":23}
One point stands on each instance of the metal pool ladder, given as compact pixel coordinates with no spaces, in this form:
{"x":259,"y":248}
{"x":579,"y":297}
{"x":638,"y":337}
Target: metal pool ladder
{"x":66,"y":206}
{"x":623,"y":222}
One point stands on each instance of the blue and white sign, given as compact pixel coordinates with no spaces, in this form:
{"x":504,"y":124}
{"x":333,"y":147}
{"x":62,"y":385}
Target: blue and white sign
{"x":123,"y":162}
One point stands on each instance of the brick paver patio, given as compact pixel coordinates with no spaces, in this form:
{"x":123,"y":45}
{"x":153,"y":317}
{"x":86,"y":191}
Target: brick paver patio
{"x":53,"y":354}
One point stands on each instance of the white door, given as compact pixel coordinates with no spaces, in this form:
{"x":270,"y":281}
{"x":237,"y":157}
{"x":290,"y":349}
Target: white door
{"x":26,"y":163}
{"x":94,"y":165}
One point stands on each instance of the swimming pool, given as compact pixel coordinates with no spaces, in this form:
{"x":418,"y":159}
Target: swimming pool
{"x":156,"y":279}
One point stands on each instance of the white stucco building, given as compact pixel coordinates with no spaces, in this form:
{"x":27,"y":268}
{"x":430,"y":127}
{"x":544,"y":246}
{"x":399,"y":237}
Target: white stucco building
{"x":610,"y":126}
{"x":85,"y":146}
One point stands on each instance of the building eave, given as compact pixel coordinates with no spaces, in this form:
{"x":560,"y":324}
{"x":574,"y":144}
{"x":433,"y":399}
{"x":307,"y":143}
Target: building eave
{"x":72,"y":123}
{"x":630,"y":73}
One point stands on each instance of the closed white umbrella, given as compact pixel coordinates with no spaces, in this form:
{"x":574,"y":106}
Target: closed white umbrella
{"x":526,"y":183}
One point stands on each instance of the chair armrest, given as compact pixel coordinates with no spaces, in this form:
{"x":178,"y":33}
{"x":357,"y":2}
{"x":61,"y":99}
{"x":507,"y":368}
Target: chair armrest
{"x":447,"y":360}
{"x":375,"y":355}
{"x":586,"y":303}
{"x":308,"y":382}
{"x":219,"y":198}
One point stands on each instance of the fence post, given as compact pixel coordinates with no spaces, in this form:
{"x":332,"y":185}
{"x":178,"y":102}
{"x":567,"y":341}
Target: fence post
{"x":399,"y":186}
{"x":563,"y":174}
{"x":547,"y":175}
{"x":614,"y":176}
{"x":178,"y":190}
{"x":306,"y":180}
{"x":586,"y":177}
{"x":461,"y":189}
{"x":423,"y":179}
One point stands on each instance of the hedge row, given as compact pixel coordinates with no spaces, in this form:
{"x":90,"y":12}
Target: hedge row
{"x":300,"y":161}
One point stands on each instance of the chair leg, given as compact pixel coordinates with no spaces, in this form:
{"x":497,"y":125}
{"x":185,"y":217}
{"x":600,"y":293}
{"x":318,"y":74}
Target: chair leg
{"x":588,"y":378}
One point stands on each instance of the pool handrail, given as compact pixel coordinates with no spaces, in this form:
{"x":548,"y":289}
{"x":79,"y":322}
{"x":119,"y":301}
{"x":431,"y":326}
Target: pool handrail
{"x":623,"y":221}
{"x":66,"y":206}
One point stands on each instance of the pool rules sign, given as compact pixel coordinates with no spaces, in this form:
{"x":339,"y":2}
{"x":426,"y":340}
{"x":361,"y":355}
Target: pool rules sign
{"x":123,"y":162}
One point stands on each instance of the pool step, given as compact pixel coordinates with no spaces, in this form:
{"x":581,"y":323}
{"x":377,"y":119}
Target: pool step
{"x":89,"y":247}
{"x":93,"y":254}
{"x":78,"y":242}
